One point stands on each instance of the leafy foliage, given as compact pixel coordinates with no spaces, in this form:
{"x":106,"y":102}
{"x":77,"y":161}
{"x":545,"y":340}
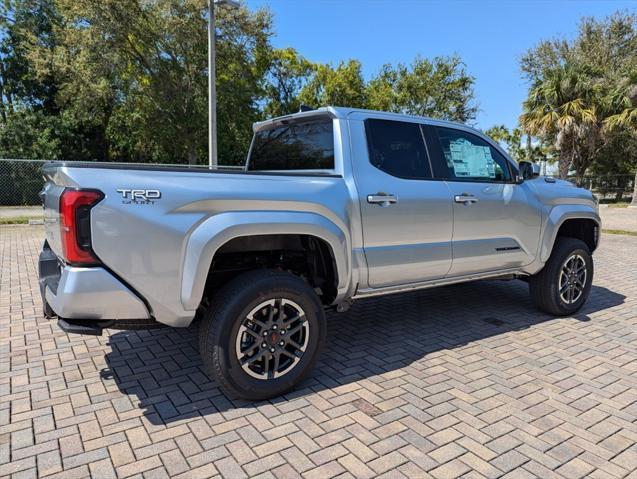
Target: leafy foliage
{"x":127,"y":81}
{"x":439,"y":88}
{"x":511,"y":140}
{"x":287,"y":75}
{"x":342,"y":86}
{"x":583,"y":96}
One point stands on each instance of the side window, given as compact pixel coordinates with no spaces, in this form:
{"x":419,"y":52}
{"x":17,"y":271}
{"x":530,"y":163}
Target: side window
{"x":470,"y":157}
{"x":397,"y":148}
{"x":305,"y":145}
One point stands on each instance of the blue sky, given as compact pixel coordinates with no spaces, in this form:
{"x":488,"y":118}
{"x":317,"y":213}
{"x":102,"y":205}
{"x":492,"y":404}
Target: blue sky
{"x":490,"y":36}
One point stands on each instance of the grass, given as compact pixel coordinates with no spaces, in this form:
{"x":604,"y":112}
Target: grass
{"x":620,"y":232}
{"x":18,"y":220}
{"x":618,"y":205}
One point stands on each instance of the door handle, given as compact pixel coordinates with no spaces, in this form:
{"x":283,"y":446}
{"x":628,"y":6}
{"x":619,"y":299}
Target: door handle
{"x":382,"y":199}
{"x":465,"y":198}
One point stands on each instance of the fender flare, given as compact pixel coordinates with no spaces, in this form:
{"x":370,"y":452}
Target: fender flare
{"x":556,"y":218}
{"x":214,"y":232}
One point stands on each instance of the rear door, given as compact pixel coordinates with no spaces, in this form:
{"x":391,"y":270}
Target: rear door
{"x":406,"y":214}
{"x":496,"y":224}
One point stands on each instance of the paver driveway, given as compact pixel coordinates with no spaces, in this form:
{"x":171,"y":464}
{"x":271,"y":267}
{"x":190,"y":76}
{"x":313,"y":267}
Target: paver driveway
{"x":466,"y":381}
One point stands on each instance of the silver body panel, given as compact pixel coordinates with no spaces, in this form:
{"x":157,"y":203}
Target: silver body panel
{"x":93,"y":293}
{"x":162,"y":251}
{"x":486,"y":233}
{"x":406,"y":241}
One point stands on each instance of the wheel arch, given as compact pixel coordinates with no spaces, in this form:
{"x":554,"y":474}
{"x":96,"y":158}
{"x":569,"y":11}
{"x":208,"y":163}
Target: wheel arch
{"x":573,"y":221}
{"x":219,"y":230}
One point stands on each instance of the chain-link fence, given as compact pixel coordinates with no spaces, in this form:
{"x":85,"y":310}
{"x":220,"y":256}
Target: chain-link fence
{"x":609,"y":187}
{"x":21,"y":180}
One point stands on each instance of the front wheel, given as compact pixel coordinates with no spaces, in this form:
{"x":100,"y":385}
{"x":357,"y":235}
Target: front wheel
{"x":563,"y":285}
{"x":262,"y":334}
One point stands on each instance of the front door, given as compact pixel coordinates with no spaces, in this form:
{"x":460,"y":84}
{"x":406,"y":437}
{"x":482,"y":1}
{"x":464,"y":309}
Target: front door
{"x":406,"y":214}
{"x":496,"y":221}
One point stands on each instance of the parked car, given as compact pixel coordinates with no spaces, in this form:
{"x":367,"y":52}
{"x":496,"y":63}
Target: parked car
{"x":334,"y":205}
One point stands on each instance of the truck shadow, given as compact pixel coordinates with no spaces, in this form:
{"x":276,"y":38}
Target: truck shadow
{"x":162,"y":374}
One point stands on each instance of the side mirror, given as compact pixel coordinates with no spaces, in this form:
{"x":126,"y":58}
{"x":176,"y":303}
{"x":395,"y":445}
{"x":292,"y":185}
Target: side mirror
{"x":528,"y":170}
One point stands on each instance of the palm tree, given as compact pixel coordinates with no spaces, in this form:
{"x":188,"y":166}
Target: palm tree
{"x":561,"y":109}
{"x":624,"y":99}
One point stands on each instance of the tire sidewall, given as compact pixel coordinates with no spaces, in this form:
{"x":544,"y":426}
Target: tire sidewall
{"x":567,"y":252}
{"x":226,"y":327}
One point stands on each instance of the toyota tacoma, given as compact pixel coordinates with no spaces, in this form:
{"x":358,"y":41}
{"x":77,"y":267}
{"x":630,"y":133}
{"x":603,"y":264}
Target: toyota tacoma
{"x":333,"y":205}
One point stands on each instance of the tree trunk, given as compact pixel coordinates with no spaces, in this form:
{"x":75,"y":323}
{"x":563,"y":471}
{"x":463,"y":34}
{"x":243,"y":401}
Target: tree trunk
{"x":10,"y":102}
{"x":633,"y":203}
{"x":106,"y":147}
{"x":2,"y":83}
{"x":579,"y":175}
{"x":563,"y":165}
{"x":4,"y":94}
{"x":3,"y":114}
{"x":192,"y":155}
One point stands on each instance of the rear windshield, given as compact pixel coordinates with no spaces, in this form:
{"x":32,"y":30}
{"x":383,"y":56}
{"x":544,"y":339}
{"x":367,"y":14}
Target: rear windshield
{"x":305,"y":145}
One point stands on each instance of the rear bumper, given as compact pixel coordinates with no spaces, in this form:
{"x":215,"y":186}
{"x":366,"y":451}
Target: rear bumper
{"x":86,"y":293}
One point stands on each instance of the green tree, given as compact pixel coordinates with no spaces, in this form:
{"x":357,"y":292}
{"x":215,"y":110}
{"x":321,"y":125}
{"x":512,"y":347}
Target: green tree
{"x":30,"y":134}
{"x":127,"y":81}
{"x":288,"y":73}
{"x":561,"y":108}
{"x":340,"y":86}
{"x":132,"y":77}
{"x":30,"y":125}
{"x":438,"y":88}
{"x":243,"y":60}
{"x":23,"y":22}
{"x":575,"y":86}
{"x":512,"y":141}
{"x":85,"y":64}
{"x":625,"y":100}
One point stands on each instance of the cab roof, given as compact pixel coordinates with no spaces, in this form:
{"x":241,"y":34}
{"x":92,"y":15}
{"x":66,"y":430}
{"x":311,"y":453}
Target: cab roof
{"x":344,"y":113}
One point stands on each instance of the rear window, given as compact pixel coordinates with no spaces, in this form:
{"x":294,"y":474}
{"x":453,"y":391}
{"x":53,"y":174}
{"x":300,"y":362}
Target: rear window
{"x":298,"y":146}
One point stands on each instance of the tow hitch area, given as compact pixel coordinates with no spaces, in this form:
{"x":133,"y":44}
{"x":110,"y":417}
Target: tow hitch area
{"x":83,"y":326}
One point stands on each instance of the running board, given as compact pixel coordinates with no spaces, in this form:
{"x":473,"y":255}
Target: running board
{"x":94,"y":327}
{"x":83,"y":326}
{"x":403,"y":288}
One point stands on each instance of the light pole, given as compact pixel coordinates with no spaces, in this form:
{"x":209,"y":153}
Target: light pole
{"x":212,"y":80}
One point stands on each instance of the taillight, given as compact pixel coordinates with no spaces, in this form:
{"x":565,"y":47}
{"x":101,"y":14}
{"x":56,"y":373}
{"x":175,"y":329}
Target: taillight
{"x":75,"y":225}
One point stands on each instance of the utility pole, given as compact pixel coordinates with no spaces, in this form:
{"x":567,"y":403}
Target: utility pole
{"x":212,"y":88}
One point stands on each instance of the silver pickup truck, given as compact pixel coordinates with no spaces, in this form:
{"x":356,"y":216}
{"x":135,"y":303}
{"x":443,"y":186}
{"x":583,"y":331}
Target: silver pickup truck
{"x":333,"y":205}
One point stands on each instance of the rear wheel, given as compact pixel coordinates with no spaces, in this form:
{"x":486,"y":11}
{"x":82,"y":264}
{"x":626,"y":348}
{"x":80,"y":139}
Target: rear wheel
{"x":563,"y":285}
{"x":47,"y":310}
{"x":262,"y":334}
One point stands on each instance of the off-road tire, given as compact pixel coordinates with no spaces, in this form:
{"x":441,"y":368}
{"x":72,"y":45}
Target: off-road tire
{"x":544,"y":286}
{"x":222,"y":321}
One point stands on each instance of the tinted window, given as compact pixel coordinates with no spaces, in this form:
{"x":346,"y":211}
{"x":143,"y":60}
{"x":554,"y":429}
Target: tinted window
{"x":297,"y":146}
{"x":469,"y":157}
{"x":397,"y":148}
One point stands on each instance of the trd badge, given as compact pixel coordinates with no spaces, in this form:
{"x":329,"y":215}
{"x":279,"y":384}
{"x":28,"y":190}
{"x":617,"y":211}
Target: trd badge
{"x":135,"y":196}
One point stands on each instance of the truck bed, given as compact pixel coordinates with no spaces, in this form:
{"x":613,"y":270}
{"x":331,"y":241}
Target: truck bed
{"x":156,"y":247}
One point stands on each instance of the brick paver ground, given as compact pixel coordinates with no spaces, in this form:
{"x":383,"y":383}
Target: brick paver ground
{"x":466,"y":381}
